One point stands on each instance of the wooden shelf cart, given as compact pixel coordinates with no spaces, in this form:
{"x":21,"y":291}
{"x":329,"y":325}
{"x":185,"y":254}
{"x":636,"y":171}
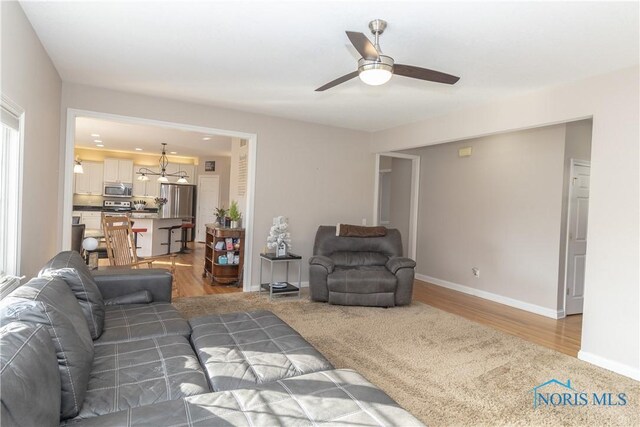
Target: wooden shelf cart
{"x":225,"y":274}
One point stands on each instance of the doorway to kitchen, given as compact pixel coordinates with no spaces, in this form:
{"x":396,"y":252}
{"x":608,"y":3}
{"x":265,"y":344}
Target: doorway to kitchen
{"x":186,"y":156}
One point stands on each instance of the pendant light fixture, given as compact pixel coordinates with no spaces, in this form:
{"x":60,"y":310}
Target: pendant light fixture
{"x":163,"y":175}
{"x":77,"y":167}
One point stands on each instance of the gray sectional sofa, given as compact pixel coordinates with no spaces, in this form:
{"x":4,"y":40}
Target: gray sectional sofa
{"x":109,"y":349}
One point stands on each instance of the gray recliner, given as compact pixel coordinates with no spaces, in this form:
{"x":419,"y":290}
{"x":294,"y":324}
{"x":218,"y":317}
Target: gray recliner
{"x":369,"y":271}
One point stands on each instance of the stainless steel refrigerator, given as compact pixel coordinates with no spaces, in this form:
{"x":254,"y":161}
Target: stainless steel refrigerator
{"x":180,"y":200}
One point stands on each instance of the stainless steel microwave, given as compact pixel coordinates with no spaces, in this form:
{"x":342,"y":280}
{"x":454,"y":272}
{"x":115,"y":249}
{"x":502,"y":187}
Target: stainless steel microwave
{"x":117,"y":189}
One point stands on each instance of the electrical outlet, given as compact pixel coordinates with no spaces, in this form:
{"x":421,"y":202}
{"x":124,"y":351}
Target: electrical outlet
{"x":475,"y":271}
{"x":364,"y":221}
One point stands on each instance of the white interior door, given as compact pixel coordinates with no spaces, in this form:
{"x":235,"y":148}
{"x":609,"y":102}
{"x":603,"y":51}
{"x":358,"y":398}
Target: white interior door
{"x":208,"y":201}
{"x":577,"y":236}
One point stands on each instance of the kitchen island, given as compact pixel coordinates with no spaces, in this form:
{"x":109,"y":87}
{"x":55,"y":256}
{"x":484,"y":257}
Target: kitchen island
{"x":153,"y":241}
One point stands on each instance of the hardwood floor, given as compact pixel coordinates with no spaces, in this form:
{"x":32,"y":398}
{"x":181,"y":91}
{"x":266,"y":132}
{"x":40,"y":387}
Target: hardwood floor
{"x":562,"y":335}
{"x":189,"y":280}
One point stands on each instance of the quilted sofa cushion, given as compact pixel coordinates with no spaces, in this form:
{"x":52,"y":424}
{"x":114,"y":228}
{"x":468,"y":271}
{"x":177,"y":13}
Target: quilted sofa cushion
{"x":50,"y":302}
{"x":337,"y":398}
{"x":70,"y":267}
{"x":239,"y":350}
{"x":140,"y":321}
{"x":28,"y":374}
{"x":131,"y":374}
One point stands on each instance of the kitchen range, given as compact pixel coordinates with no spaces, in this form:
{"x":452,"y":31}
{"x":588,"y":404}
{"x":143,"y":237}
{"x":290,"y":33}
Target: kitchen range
{"x":162,"y":225}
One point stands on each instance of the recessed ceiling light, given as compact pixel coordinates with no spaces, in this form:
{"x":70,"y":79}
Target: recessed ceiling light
{"x":99,"y":145}
{"x":95,"y":135}
{"x":173,"y":152}
{"x":138,"y":149}
{"x":97,"y":140}
{"x":206,"y":138}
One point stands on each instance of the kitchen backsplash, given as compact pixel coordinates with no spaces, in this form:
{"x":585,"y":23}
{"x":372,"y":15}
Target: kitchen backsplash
{"x":87,"y":200}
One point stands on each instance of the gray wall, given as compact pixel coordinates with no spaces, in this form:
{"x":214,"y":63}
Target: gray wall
{"x":223,"y":165}
{"x":577,"y":146}
{"x":401,"y":198}
{"x":30,"y":80}
{"x":498,"y":210}
{"x":298,"y":173}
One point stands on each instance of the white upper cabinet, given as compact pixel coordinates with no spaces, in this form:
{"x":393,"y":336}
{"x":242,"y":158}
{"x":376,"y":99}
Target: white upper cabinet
{"x":139,"y":187}
{"x":150,"y":188}
{"x":118,"y":170}
{"x":90,"y":182}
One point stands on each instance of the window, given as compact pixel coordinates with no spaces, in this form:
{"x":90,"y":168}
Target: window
{"x":10,"y":188}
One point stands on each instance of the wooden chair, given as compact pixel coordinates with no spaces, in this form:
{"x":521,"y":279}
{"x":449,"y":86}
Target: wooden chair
{"x":121,"y":247}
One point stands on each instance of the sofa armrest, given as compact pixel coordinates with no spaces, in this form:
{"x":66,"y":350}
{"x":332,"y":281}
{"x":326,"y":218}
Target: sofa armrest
{"x":396,"y":263}
{"x":138,"y":297}
{"x":116,"y":283}
{"x":324,"y":261}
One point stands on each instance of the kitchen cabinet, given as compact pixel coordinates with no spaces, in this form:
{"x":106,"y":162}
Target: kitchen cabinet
{"x":150,"y":188}
{"x":92,"y":220}
{"x":90,"y":182}
{"x":118,"y":170}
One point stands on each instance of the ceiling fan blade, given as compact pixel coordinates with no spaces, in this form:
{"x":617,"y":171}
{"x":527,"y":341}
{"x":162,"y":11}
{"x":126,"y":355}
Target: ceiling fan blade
{"x":424,"y":74}
{"x":363,"y":45}
{"x":337,"y":81}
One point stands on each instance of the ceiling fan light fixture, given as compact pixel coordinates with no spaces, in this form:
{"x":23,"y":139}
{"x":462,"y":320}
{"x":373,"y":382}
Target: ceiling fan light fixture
{"x":375,"y":73}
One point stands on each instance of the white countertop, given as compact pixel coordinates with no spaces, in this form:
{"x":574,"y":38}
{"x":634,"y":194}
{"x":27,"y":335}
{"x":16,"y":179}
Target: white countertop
{"x":152,"y":216}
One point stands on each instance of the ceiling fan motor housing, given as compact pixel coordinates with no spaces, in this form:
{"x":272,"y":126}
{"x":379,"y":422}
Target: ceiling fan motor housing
{"x":385,"y":63}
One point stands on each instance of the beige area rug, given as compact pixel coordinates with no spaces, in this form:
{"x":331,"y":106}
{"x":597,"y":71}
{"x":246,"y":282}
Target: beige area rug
{"x":444,"y":369}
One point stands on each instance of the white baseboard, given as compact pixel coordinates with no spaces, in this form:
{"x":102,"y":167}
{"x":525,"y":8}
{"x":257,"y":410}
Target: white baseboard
{"x":256,"y":288}
{"x":612,"y":365}
{"x":522,"y":305}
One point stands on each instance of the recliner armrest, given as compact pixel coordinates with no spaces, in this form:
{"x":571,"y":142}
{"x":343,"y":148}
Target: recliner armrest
{"x":324,"y":261}
{"x":396,"y":263}
{"x":116,"y":283}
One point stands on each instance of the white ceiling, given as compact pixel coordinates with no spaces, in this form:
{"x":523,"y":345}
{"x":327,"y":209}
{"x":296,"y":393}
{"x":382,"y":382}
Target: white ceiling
{"x":268,"y":57}
{"x":127,"y":137}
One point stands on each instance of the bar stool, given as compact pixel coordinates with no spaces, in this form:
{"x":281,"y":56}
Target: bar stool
{"x":185,"y":227}
{"x":169,"y":231}
{"x":135,"y":235}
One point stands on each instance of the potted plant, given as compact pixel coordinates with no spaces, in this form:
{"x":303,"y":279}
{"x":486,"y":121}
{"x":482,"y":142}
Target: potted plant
{"x":234,"y":214}
{"x":220,"y":213}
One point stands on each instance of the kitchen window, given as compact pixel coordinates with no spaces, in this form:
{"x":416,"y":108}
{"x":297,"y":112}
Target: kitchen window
{"x":12,"y":121}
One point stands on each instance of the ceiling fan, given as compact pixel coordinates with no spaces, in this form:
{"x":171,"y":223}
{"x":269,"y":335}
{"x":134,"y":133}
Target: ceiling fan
{"x":375,"y":69}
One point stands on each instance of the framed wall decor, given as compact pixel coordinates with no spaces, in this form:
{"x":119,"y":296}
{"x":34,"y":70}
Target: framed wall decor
{"x":209,"y":166}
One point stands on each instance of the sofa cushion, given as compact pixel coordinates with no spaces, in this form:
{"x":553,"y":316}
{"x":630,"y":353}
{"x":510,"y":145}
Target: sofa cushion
{"x":239,"y":350}
{"x":357,"y":259}
{"x":50,"y":302}
{"x":363,"y":280}
{"x":340,"y":397}
{"x":70,"y":267}
{"x":131,"y":374}
{"x":140,"y":321}
{"x":28,"y":374}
